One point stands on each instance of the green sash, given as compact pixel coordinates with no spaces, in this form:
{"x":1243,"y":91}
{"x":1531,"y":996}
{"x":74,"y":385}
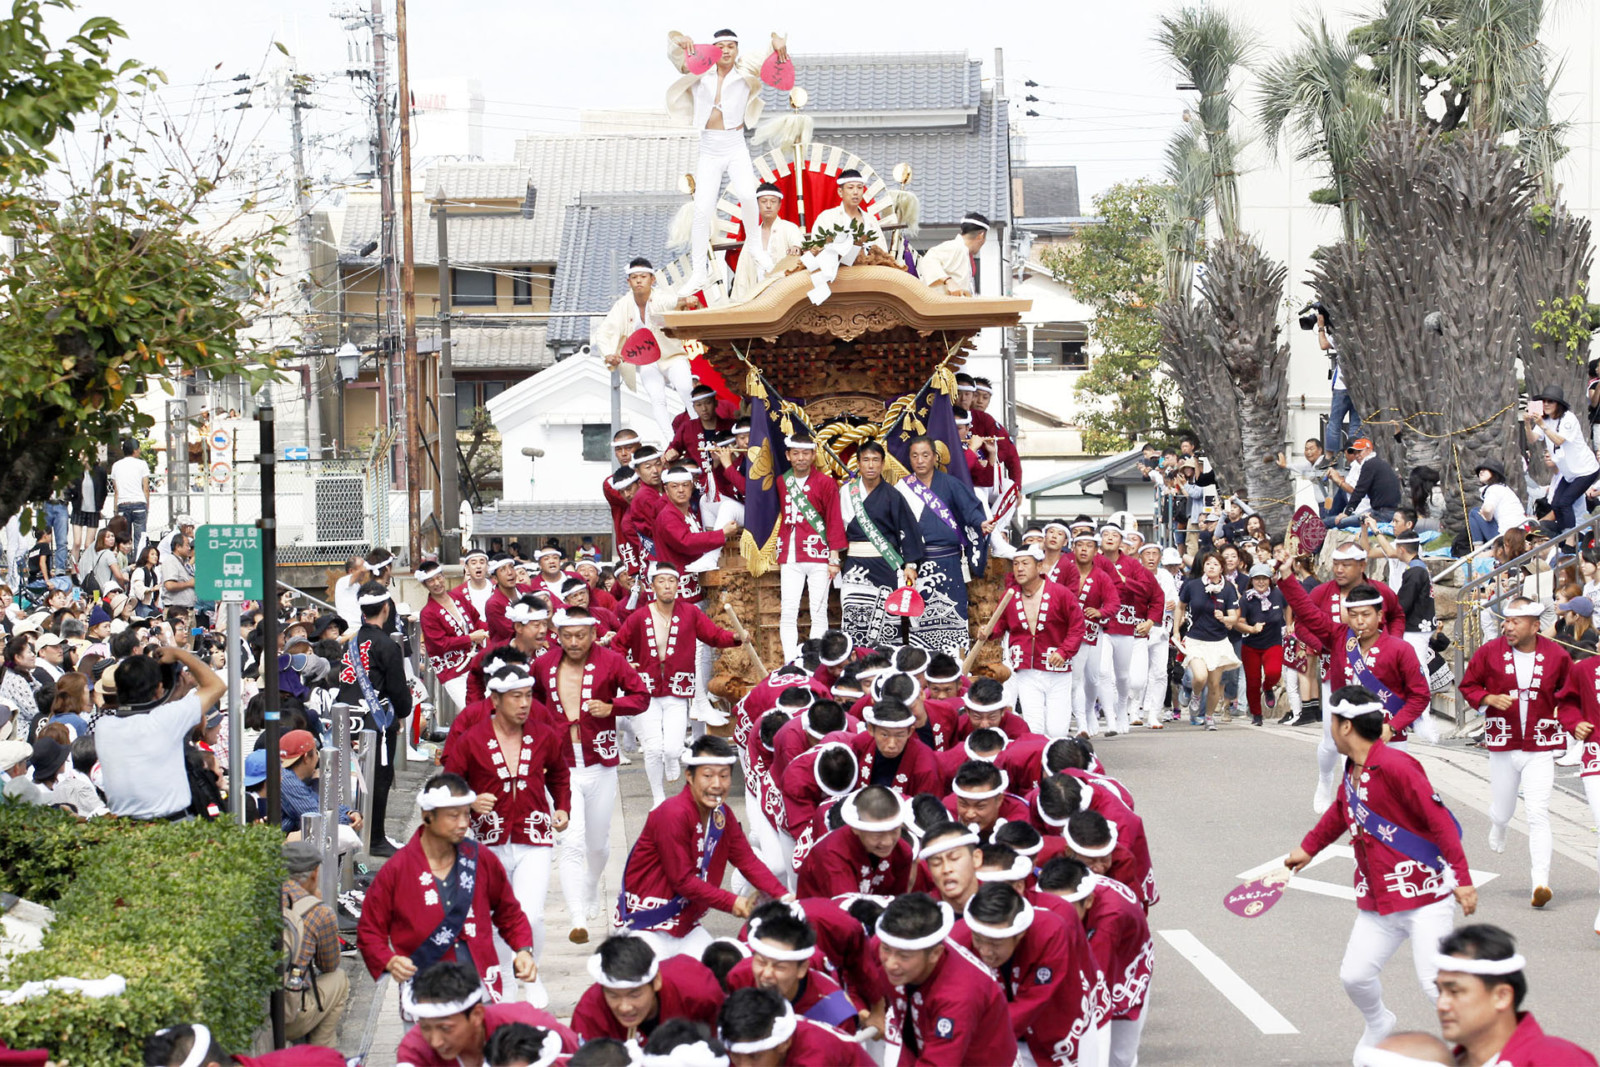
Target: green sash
{"x":875,"y":535}
{"x":808,"y":510}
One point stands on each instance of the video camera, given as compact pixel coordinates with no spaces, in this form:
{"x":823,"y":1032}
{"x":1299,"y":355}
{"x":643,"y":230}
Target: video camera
{"x":1308,"y":316}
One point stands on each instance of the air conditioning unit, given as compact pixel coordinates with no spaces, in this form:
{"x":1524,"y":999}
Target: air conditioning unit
{"x":341,"y":509}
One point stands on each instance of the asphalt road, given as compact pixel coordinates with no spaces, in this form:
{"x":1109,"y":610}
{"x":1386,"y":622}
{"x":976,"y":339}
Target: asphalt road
{"x":1217,"y":805}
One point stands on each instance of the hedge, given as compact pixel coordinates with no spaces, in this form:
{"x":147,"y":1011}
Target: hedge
{"x":187,"y":912}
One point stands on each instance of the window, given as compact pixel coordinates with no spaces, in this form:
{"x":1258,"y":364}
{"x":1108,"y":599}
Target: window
{"x":471,"y":395}
{"x":1059,"y":345}
{"x":522,"y":288}
{"x":471,"y":288}
{"x":597,"y":442}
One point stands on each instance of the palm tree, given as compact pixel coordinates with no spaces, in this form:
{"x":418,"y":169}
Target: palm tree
{"x":1178,"y":233}
{"x":1208,"y":49}
{"x":1325,"y":97}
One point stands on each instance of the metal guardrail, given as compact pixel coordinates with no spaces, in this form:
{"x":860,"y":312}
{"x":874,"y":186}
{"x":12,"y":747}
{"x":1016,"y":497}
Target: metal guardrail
{"x":1463,"y":597}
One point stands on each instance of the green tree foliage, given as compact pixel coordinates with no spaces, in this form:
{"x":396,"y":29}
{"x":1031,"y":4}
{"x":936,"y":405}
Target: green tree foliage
{"x":113,"y":281}
{"x":1116,"y":268}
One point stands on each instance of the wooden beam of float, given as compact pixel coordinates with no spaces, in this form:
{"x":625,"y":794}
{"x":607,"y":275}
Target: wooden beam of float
{"x":880,"y":334}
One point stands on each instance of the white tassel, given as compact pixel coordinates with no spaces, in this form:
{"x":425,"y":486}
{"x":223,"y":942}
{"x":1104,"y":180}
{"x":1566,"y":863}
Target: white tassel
{"x":907,"y":210}
{"x":682,"y":227}
{"x":784,"y":130}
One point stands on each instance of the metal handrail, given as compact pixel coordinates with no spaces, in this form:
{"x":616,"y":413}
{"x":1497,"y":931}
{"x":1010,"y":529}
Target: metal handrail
{"x":1553,"y":545}
{"x":1464,"y":560}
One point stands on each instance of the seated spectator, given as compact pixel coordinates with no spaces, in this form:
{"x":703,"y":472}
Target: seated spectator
{"x":15,"y":760}
{"x":316,"y":989}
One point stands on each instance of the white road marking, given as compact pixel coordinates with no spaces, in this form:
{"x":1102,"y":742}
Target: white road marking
{"x":1339,"y":890}
{"x":1250,"y":1003}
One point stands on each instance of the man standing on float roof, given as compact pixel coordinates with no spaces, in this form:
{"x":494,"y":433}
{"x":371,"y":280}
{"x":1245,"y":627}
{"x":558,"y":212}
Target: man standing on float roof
{"x":721,"y":103}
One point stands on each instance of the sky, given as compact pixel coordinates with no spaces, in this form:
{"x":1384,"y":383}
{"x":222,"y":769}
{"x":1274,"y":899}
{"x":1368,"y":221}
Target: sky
{"x":1107,"y":102}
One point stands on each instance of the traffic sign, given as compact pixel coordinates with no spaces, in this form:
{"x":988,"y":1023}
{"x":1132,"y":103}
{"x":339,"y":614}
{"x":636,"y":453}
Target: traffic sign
{"x":227,"y":563}
{"x":221,"y":440}
{"x":221,"y":472}
{"x":295,"y":453}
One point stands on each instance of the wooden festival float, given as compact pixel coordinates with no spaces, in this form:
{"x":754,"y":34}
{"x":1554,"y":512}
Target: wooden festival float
{"x":872,"y":353}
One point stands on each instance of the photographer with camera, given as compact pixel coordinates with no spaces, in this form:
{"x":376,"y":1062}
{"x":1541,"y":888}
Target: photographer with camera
{"x":1340,"y":408}
{"x":141,"y":746}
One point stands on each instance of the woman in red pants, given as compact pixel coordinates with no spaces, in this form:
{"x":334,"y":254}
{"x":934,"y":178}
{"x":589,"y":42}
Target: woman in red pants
{"x":1261,"y":612}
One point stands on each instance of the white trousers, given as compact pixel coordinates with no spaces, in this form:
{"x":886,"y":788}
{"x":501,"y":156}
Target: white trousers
{"x":1155,"y":676}
{"x":692,"y":944}
{"x":1424,"y":727}
{"x":1125,"y":1035}
{"x":1092,"y":679}
{"x":1535,"y":774}
{"x":1291,"y":689}
{"x":1375,"y":938}
{"x":528,"y":869}
{"x":655,"y":377}
{"x":661,"y":727}
{"x":721,"y":152}
{"x":1046,"y":700}
{"x":1094,"y":1047}
{"x":1129,"y":666}
{"x":764,"y":839}
{"x":793,"y":578}
{"x":1327,"y":752}
{"x":456,"y":690}
{"x":586,"y":842}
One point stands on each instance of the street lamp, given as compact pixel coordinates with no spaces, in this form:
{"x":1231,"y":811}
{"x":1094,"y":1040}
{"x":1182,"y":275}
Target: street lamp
{"x":349,"y":360}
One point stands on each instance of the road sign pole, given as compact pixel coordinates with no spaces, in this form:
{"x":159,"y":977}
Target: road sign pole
{"x":269,"y":645}
{"x":235,"y":718}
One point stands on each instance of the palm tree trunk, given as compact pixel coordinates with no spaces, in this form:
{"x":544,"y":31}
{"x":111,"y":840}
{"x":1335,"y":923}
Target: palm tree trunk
{"x":1189,"y":353}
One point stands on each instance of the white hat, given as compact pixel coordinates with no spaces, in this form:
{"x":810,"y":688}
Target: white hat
{"x":1171,"y":557}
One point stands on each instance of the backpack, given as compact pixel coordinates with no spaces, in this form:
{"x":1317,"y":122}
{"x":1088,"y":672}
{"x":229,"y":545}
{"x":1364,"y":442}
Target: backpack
{"x":299,"y":955}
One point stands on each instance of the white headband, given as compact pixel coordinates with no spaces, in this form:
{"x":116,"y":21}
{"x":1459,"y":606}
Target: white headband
{"x":1492,"y":968}
{"x":1351,"y":709}
{"x":522,"y":613}
{"x":843,"y":180}
{"x":441,"y":797}
{"x":769,"y":192}
{"x":979,"y":386}
{"x":783,"y":1028}
{"x":968,"y":220}
{"x":1038,"y":807}
{"x":1019,"y":925}
{"x":1033,"y":551}
{"x":946,"y":843}
{"x":916,"y":686}
{"x":853,"y":818}
{"x":677,"y":475}
{"x":966,"y":746}
{"x":999,"y":705}
{"x":380,"y":567}
{"x":698,"y":1054}
{"x":1373,"y":1056}
{"x":1349,"y":551}
{"x":726,"y":36}
{"x":870,"y":715}
{"x":816,"y":773}
{"x":641,"y":269}
{"x":623,"y":483}
{"x":504,"y":561}
{"x":1084,"y":850}
{"x":198,"y":1051}
{"x":476,"y":553}
{"x":441,"y":1009}
{"x":510,"y":683}
{"x":1532,"y":610}
{"x":1056,"y":526}
{"x":658,"y":567}
{"x":799,"y":444}
{"x":547,"y":550}
{"x":427,"y":573}
{"x":987,"y":794}
{"x":1085,"y":888}
{"x":597,"y":972}
{"x":374,"y":598}
{"x":709,"y":761}
{"x":786,"y":955}
{"x":566,"y":619}
{"x":942,"y":679}
{"x":849,"y":647}
{"x":1370,"y":602}
{"x":1020,"y":868}
{"x":913,"y":944}
{"x":1087,"y":535}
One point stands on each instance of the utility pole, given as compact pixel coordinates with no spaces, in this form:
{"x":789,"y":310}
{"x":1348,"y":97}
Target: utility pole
{"x":387,"y":335}
{"x":298,"y":87}
{"x":449,"y":478}
{"x":408,"y":288}
{"x":1008,"y":348}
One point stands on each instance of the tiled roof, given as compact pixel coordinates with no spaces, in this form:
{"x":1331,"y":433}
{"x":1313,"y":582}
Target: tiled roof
{"x":564,"y":167}
{"x":954,"y":169}
{"x":479,"y":181}
{"x":599,"y":235}
{"x":539,"y":518}
{"x":493,"y":240}
{"x":515,"y":347}
{"x":899,"y":81}
{"x":1047,"y":192}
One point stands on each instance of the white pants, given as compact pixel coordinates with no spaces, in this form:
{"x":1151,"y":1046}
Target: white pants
{"x":1535,"y":773}
{"x":661,"y":727}
{"x":1155,"y":676}
{"x":1424,"y":727}
{"x":456,"y":690}
{"x":692,"y":944}
{"x":528,"y":870}
{"x":1327,"y":752}
{"x":721,"y":152}
{"x":1291,"y":689}
{"x":1091,"y":679}
{"x":1375,"y":938}
{"x":1094,"y":1047}
{"x":764,"y":839}
{"x":586,"y":842}
{"x":1125,"y":1034}
{"x":655,"y":377}
{"x":1129,"y":664}
{"x":1045,"y":700}
{"x":794,"y":577}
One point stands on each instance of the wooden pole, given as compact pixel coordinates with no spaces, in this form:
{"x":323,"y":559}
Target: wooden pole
{"x":977,"y":646}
